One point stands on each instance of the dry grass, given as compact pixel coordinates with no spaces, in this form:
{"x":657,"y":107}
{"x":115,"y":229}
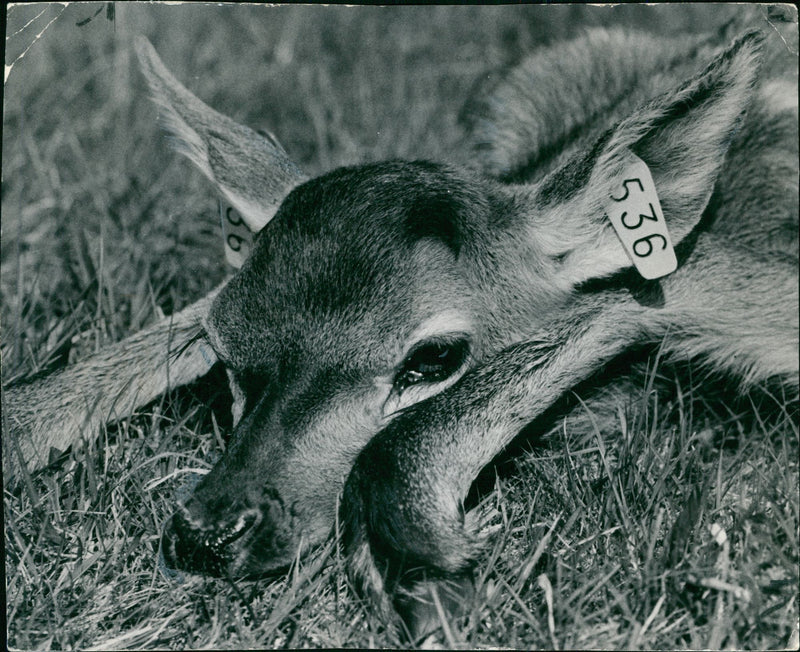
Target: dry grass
{"x":104,"y":230}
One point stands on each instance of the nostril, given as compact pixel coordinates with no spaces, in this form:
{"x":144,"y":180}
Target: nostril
{"x":180,"y":543}
{"x":225,"y":536}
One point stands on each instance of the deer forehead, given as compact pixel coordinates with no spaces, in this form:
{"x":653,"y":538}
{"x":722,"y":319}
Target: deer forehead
{"x":357,"y":294}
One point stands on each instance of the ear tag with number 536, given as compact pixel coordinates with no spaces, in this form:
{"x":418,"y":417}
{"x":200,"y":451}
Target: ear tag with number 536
{"x":635,"y":213}
{"x":238,"y":238}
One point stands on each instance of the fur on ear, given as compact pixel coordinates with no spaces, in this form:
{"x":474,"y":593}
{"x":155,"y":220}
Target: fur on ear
{"x":252,"y":171}
{"x":681,"y":135}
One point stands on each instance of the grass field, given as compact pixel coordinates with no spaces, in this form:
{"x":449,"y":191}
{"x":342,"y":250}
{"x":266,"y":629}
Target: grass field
{"x":608,"y":539}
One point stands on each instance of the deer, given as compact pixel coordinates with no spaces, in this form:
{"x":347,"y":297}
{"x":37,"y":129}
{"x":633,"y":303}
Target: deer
{"x":397,"y":324}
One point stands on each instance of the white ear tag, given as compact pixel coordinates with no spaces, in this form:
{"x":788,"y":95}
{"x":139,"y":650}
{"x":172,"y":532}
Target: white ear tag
{"x":238,"y":240}
{"x":635,"y":213}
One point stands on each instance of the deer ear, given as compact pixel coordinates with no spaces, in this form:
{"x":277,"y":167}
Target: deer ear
{"x":251,"y":170}
{"x":682,"y":136}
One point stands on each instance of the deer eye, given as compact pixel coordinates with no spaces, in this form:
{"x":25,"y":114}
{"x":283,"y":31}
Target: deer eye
{"x":431,"y":362}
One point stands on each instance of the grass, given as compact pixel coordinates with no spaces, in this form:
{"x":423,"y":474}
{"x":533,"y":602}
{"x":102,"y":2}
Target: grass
{"x":605,"y":537}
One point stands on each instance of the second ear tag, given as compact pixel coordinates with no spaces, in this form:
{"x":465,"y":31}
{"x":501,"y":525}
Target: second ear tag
{"x":238,"y":240}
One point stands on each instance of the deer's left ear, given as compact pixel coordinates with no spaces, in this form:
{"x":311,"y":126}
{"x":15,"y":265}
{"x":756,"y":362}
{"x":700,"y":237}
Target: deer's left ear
{"x":682,"y":136}
{"x":251,"y":170}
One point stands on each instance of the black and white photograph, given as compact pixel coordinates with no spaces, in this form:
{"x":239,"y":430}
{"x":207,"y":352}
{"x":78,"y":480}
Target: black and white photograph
{"x":400,"y":326}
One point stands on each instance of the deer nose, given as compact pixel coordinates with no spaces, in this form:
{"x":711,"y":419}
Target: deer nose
{"x":189,"y":546}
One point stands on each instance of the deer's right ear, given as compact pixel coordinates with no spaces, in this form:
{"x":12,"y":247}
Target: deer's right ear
{"x":682,"y":136}
{"x":252,"y":171}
